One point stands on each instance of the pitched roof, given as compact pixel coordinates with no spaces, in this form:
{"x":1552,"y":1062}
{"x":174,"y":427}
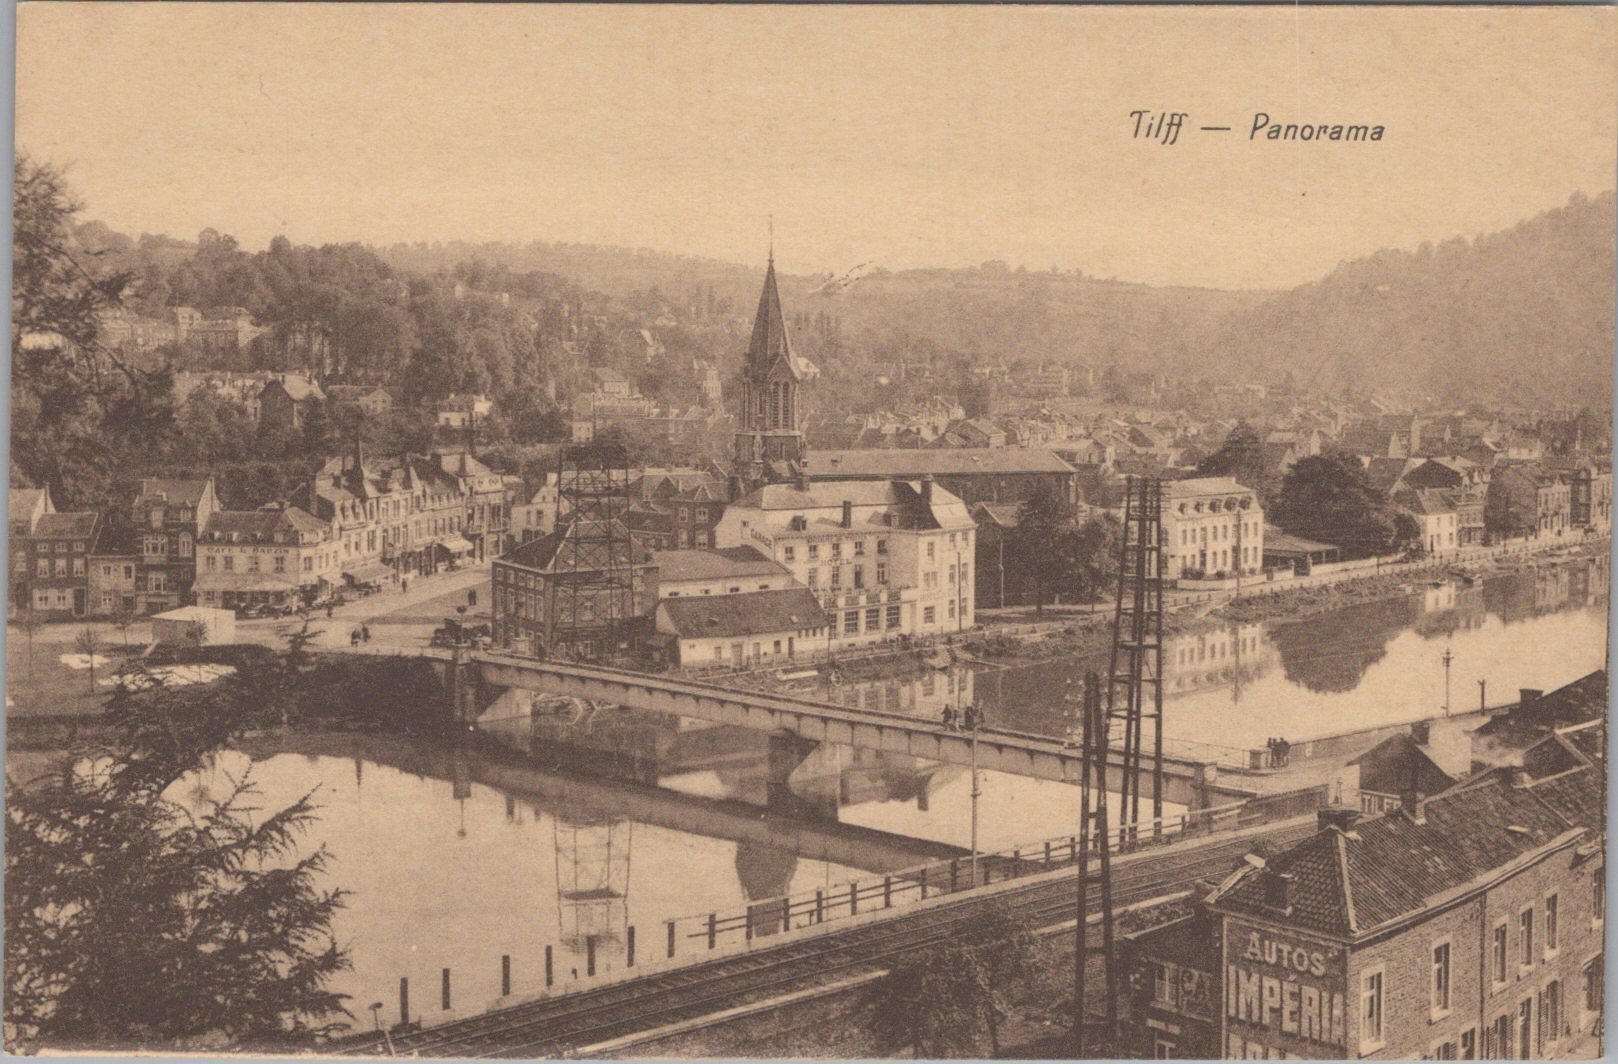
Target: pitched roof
{"x":21,"y":503}
{"x":1398,"y":765}
{"x":677,"y":565}
{"x":66,"y":526}
{"x":1426,"y":503}
{"x":561,"y":549}
{"x":298,"y":387}
{"x":754,"y":613}
{"x":1388,"y":866}
{"x":187,"y":492}
{"x":948,"y":461}
{"x":1582,"y":700}
{"x":1193,"y":487}
{"x":1004,"y":514}
{"x":262,"y":524}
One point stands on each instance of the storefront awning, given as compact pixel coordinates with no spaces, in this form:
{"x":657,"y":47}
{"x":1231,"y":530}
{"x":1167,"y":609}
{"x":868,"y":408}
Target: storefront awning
{"x":369,"y":573}
{"x":455,"y":545}
{"x":240,"y":582}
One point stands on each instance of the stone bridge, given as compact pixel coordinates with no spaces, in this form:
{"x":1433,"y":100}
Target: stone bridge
{"x":796,"y":725}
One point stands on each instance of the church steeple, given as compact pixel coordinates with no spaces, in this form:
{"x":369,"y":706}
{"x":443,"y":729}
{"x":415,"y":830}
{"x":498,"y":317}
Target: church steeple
{"x":769,"y":446}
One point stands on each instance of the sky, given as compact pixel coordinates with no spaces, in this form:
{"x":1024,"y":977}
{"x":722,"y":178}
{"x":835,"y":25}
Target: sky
{"x":907,"y":136}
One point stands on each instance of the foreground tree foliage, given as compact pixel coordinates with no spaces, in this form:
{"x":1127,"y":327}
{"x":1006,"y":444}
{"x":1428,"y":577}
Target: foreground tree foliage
{"x":943,"y":1001}
{"x":1049,"y":554}
{"x":136,"y":921}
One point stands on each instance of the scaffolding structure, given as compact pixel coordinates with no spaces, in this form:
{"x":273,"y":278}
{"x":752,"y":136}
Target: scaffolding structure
{"x":1135,"y":673}
{"x":597,"y":576}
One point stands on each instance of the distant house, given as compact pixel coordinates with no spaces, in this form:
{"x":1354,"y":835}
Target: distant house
{"x":169,"y":514}
{"x":459,"y":411}
{"x":995,"y":522}
{"x":611,"y":382}
{"x":1527,"y":500}
{"x":976,"y":474}
{"x":1424,"y":762}
{"x":368,"y":400}
{"x":25,"y":507}
{"x":285,"y":402}
{"x":977,"y":432}
{"x":759,"y":628}
{"x":58,"y":552}
{"x":1438,"y":516}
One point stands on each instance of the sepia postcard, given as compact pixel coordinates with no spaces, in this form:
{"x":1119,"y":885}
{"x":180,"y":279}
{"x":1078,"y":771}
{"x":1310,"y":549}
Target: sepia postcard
{"x":809,"y":531}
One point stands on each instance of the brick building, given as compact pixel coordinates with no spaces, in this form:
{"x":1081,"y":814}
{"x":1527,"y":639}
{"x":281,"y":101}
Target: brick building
{"x":25,"y":506}
{"x":58,"y":553}
{"x":1467,"y":925}
{"x":169,"y":515}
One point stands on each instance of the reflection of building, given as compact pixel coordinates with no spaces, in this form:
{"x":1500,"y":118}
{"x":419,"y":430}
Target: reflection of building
{"x":1216,"y":658}
{"x":766,"y":875}
{"x":925,"y":696}
{"x":592,"y":879}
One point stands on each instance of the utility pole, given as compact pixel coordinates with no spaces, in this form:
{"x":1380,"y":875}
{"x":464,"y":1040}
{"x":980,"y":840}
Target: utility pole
{"x":1483,"y":701}
{"x":1446,"y":659}
{"x":972,"y":726}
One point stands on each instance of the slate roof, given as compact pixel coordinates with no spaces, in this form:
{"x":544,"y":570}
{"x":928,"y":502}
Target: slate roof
{"x":174,"y":491}
{"x":1583,"y":699}
{"x":679,"y":565}
{"x":1195,"y":487}
{"x":1385,"y":867}
{"x":947,"y":461}
{"x":66,"y":525}
{"x":754,"y":613}
{"x":261,"y":524}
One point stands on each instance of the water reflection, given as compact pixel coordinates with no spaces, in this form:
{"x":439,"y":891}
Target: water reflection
{"x":1377,"y":662}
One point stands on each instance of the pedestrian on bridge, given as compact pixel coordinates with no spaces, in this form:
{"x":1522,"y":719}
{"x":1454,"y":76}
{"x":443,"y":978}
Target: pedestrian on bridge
{"x":949,"y":718}
{"x":1284,"y":748}
{"x":365,"y":633}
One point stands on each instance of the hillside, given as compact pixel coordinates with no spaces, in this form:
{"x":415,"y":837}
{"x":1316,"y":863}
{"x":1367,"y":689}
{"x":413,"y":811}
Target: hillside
{"x":1522,"y":315}
{"x":1449,"y":323}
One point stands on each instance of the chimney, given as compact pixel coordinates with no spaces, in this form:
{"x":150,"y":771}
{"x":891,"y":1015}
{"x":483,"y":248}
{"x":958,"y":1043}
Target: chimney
{"x":803,"y":482}
{"x":1422,"y":732}
{"x":1527,"y":696}
{"x":1519,"y":777}
{"x":927,"y":488}
{"x":848,"y":514}
{"x":1278,"y":890}
{"x":1341,"y":817}
{"x":1414,"y":803}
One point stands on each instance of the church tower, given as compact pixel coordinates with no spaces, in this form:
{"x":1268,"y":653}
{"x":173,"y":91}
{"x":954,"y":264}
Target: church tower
{"x":769,"y":447}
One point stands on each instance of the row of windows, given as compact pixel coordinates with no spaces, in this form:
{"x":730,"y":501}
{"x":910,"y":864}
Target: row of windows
{"x":789,"y":552}
{"x":60,"y":547}
{"x":45,"y":567}
{"x":1220,"y":533}
{"x":858,"y":575}
{"x":874,"y":618}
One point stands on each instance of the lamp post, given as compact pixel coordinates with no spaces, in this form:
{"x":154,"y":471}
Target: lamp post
{"x":1446,"y":659}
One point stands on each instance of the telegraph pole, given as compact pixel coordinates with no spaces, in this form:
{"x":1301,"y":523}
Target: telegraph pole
{"x":1446,"y":659}
{"x":1483,"y":701}
{"x":973,"y":717}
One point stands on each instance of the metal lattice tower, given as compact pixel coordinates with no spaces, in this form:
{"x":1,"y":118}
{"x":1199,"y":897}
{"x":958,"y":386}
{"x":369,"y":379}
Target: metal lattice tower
{"x":597,"y":573}
{"x":1095,"y":842}
{"x":1135,"y":675}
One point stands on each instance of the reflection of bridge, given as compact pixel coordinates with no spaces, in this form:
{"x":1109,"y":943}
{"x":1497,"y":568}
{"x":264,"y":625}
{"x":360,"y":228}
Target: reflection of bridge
{"x":1190,"y":777}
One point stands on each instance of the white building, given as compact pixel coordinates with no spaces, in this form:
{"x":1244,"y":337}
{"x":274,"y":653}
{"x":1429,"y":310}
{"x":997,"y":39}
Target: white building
{"x":887,"y":558}
{"x":1211,"y":526}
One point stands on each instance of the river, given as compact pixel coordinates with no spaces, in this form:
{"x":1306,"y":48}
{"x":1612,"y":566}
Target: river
{"x":588,"y":822}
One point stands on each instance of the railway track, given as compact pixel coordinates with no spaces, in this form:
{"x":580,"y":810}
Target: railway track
{"x":558,"y":1026}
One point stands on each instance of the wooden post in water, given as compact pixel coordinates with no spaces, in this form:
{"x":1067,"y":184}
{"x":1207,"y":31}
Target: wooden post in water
{"x":404,"y":1001}
{"x":630,"y":946}
{"x":446,"y":990}
{"x":589,"y":955}
{"x":550,"y":970}
{"x":713,"y":930}
{"x":505,"y":975}
{"x":671,"y":938}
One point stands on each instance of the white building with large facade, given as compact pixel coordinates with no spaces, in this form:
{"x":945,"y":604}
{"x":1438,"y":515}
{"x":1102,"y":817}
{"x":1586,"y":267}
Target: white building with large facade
{"x":1212,"y":527}
{"x":885,"y":558}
